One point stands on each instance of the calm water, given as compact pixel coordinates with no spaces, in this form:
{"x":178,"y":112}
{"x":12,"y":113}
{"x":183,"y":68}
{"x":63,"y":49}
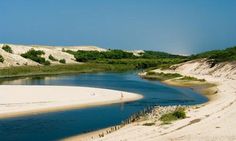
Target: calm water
{"x":59,"y":125}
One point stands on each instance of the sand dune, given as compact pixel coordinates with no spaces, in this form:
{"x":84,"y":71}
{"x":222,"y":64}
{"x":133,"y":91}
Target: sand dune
{"x":18,"y":100}
{"x":15,"y":58}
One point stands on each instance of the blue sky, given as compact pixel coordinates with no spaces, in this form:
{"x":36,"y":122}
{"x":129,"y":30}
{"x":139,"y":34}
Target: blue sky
{"x":175,"y":26}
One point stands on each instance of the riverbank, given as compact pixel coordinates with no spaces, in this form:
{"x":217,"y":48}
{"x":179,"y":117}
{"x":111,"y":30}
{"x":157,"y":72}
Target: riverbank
{"x":27,"y":100}
{"x":24,"y":71}
{"x":213,"y":120}
{"x":200,"y":85}
{"x":146,"y":117}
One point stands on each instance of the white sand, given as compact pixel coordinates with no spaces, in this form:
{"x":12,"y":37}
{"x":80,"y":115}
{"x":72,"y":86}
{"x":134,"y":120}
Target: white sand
{"x":212,"y":121}
{"x":18,"y":100}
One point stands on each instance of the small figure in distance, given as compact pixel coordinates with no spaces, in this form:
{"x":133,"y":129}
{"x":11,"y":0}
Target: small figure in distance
{"x":121,"y":95}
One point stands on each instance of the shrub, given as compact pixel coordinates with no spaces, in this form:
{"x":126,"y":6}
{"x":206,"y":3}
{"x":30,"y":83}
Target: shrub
{"x":179,"y":113}
{"x":1,"y":59}
{"x":151,"y":73}
{"x":149,"y":124}
{"x":161,"y":76}
{"x":7,"y":48}
{"x":35,"y":55}
{"x":189,"y":78}
{"x":63,"y":61}
{"x":167,"y":118}
{"x":52,"y":58}
{"x":47,"y":63}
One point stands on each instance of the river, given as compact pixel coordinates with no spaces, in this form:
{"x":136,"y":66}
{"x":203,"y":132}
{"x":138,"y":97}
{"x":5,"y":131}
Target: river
{"x":59,"y":125}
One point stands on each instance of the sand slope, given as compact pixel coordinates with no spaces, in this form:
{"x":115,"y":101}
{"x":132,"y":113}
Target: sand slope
{"x":18,"y":100}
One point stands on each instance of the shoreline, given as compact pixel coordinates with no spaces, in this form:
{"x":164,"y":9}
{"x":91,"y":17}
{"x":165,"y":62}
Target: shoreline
{"x":58,"y":69}
{"x":18,"y":100}
{"x":208,"y":90}
{"x":211,"y":120}
{"x":89,"y":135}
{"x":205,"y":88}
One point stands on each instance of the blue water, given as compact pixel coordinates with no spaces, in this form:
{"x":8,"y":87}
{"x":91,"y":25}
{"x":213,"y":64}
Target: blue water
{"x":59,"y":125}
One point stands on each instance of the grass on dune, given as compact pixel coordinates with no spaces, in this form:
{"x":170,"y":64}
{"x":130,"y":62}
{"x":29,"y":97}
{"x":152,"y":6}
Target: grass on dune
{"x":179,"y":113}
{"x":167,"y":76}
{"x":161,"y":76}
{"x":7,"y":48}
{"x":189,"y":78}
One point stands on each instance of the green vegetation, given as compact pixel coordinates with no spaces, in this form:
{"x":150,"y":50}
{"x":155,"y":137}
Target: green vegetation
{"x":1,"y":58}
{"x":161,"y":76}
{"x":63,"y":61}
{"x":218,"y":56}
{"x":118,"y":54}
{"x":85,"y":56}
{"x":179,"y":113}
{"x":35,"y":55}
{"x":47,"y":63}
{"x":7,"y":48}
{"x":166,"y":76}
{"x":120,"y":60}
{"x":156,"y":54}
{"x":146,"y":60}
{"x":113,"y":60}
{"x":50,"y":57}
{"x":149,"y":124}
{"x":189,"y":78}
{"x":140,"y":63}
{"x":62,"y":69}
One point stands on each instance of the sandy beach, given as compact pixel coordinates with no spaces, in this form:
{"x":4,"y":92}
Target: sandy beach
{"x":16,"y":100}
{"x":212,"y":121}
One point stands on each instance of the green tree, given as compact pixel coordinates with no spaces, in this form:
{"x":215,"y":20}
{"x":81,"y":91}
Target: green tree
{"x":52,"y":58}
{"x":63,"y":61}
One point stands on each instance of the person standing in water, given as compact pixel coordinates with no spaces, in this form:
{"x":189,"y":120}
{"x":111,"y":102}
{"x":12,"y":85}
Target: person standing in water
{"x":121,"y":95}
